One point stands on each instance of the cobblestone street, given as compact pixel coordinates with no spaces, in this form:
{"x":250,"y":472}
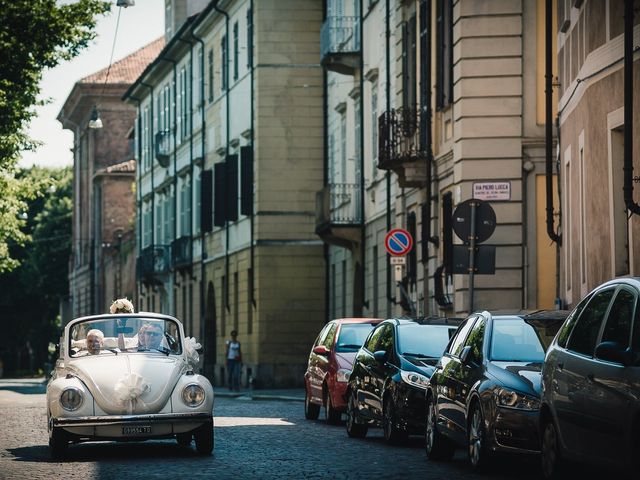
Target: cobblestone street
{"x":253,"y":439}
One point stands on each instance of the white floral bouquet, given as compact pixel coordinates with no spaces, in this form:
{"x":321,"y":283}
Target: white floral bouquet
{"x":121,"y":305}
{"x":191,"y":347}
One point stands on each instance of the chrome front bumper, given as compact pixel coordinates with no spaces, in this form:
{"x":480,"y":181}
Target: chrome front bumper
{"x":112,"y":420}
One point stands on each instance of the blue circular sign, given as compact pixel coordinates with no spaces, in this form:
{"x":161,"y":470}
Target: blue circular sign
{"x":398,"y":242}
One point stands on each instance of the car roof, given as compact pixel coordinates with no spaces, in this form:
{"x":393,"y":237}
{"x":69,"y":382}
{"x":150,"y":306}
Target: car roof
{"x":342,"y":321}
{"x":450,"y":321}
{"x":541,"y":315}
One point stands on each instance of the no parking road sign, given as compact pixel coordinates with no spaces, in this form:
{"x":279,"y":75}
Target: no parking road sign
{"x":398,"y":242}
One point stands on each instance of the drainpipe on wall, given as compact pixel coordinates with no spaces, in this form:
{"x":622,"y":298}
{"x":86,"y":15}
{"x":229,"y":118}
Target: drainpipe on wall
{"x":390,"y":299}
{"x":138,"y":204}
{"x":203,"y":250}
{"x":549,"y":123}
{"x":228,"y":128}
{"x":253,"y":154}
{"x":632,"y":206}
{"x":359,"y":311}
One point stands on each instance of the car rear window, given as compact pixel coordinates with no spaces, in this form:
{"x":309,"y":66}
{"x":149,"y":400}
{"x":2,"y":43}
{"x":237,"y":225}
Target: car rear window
{"x":352,"y":336}
{"x":424,"y":340}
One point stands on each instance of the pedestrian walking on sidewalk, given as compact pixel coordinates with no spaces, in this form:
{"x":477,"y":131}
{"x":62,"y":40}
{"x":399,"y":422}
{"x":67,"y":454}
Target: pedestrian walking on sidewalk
{"x":234,"y":361}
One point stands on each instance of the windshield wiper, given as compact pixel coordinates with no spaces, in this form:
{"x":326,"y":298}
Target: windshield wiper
{"x":419,"y":355}
{"x":348,"y":345}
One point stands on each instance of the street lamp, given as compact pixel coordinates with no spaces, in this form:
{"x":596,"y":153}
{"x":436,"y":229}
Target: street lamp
{"x":94,"y":119}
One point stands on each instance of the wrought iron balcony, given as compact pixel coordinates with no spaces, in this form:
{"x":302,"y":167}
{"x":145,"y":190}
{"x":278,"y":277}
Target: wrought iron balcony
{"x":340,"y":44}
{"x":181,"y":253}
{"x":163,"y":148}
{"x":402,"y":144}
{"x":153,"y":263}
{"x":339,"y":214}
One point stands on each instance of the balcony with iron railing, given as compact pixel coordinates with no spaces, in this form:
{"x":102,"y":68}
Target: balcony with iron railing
{"x":340,"y":44}
{"x":339,"y":214}
{"x":163,"y":148}
{"x":402,"y":144}
{"x":181,"y":253}
{"x":153,"y":263}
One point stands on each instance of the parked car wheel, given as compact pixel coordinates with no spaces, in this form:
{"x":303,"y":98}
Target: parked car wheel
{"x":311,"y":410}
{"x":436,"y":445}
{"x":204,"y":438}
{"x":479,"y":454}
{"x":551,"y":459}
{"x":57,"y":442}
{"x":393,"y":434}
{"x":184,"y":439}
{"x":354,"y":429}
{"x":332,"y":415}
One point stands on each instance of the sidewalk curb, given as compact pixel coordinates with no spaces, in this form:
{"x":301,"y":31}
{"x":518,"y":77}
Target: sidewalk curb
{"x":249,"y":396}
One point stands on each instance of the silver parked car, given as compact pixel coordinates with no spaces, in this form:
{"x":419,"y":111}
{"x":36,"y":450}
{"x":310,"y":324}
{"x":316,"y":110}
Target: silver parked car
{"x":590,"y":408}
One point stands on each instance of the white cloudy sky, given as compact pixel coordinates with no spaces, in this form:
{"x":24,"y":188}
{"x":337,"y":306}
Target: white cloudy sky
{"x":139,"y":25}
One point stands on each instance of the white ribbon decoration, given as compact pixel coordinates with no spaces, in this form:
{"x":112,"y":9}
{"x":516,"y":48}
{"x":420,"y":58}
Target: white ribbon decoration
{"x":128,"y":391}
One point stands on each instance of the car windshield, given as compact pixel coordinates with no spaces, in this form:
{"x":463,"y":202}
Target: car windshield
{"x":122,"y":334}
{"x":426,"y":341}
{"x":352,"y":336}
{"x":515,"y":340}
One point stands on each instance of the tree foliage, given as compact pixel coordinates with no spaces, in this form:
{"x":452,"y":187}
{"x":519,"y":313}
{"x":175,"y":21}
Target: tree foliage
{"x":34,"y":35}
{"x":30,"y":294}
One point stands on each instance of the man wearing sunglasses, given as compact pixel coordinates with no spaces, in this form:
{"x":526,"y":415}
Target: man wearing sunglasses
{"x":153,"y":336}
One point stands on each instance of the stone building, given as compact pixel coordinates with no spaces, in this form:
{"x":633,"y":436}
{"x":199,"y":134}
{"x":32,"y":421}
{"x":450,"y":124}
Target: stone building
{"x":103,"y":206}
{"x":600,"y":230}
{"x":230,"y":143}
{"x":430,"y":104}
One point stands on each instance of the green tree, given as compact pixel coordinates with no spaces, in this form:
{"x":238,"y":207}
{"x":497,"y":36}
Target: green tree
{"x":34,"y":35}
{"x":30,"y":294}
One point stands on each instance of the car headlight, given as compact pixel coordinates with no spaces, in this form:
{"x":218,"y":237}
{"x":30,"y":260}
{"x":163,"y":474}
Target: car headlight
{"x":343,"y":375}
{"x":71,"y":399}
{"x":415,"y":379}
{"x":510,"y":399}
{"x":193,"y":395}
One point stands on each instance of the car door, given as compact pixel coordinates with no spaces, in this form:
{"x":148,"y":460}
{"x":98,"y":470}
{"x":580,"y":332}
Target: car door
{"x":609,"y":399}
{"x":363,"y":370}
{"x":575,"y":365}
{"x":451,"y":412}
{"x":381,"y":370}
{"x":317,"y":364}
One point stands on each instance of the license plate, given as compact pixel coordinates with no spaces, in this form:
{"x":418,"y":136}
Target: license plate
{"x":135,"y":430}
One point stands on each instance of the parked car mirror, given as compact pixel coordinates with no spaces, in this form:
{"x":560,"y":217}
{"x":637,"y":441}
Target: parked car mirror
{"x":464,"y":354}
{"x":321,"y":350}
{"x":614,"y":352}
{"x":380,"y":356}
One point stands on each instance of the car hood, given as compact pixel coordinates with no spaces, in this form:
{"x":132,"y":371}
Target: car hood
{"x":129,"y":383}
{"x":425,"y":366}
{"x":522,"y":376}
{"x":346,"y":359}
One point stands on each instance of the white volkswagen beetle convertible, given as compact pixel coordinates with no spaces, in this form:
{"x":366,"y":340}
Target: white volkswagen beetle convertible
{"x":128,"y":377}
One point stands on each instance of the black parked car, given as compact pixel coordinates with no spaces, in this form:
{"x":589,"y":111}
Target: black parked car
{"x":485,"y":391}
{"x":591,"y":383}
{"x":390,"y":375}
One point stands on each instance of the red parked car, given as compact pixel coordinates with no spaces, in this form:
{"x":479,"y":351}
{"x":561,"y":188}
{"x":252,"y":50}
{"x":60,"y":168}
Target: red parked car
{"x":330,"y":363}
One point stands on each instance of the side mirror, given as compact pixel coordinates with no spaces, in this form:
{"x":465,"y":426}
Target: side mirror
{"x":321,"y":350}
{"x":464,"y":355}
{"x":614,"y":352}
{"x":380,"y":356}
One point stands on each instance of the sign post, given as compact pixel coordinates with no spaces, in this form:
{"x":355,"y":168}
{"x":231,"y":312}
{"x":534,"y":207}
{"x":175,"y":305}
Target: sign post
{"x":398,"y":243}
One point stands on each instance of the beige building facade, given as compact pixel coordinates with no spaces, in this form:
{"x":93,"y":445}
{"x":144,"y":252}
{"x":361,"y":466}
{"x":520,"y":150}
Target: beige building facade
{"x":600,"y":235}
{"x":435,"y":104}
{"x":229,"y":138}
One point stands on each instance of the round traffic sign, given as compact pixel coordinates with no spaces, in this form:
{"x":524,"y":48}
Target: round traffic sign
{"x":398,"y":242}
{"x":485,"y":220}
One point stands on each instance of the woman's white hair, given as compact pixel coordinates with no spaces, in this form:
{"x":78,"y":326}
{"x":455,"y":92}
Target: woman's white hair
{"x":121,"y":305}
{"x":96,"y":333}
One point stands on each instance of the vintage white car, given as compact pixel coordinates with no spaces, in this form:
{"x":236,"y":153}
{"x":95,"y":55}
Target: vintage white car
{"x":128,"y":377}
